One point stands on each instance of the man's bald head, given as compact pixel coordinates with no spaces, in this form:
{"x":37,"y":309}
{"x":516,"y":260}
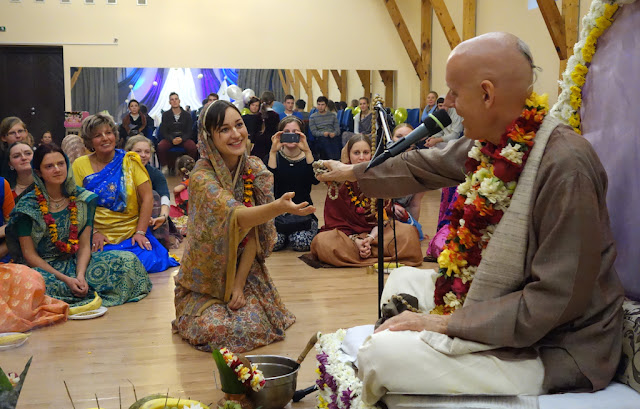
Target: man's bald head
{"x":494,"y":71}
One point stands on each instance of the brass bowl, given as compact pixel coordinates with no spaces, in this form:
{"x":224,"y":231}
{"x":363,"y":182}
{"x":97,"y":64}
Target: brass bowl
{"x":281,"y":375}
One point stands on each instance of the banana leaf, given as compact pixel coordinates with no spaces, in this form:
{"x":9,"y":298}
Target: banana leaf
{"x":9,"y":397}
{"x":228,"y":378}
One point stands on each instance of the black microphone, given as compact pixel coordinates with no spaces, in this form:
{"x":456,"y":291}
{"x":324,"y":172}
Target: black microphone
{"x":434,"y":123}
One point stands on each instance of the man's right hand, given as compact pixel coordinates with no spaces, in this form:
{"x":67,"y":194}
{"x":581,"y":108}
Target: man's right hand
{"x":338,"y":172}
{"x":177,"y":140}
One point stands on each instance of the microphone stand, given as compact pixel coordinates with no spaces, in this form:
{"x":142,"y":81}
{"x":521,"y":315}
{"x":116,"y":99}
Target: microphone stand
{"x":380,"y":149}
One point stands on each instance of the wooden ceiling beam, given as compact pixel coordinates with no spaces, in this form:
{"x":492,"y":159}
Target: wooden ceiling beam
{"x":286,"y":87}
{"x":75,"y":77}
{"x":322,"y":80}
{"x":555,"y":25}
{"x":341,"y":82}
{"x":365,"y":79}
{"x":426,"y":26}
{"x":469,"y":8}
{"x":450,"y":32}
{"x":389,"y":86}
{"x":405,"y":37}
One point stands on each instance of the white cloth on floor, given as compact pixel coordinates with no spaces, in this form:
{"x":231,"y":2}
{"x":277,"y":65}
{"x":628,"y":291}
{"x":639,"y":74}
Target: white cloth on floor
{"x":426,"y":363}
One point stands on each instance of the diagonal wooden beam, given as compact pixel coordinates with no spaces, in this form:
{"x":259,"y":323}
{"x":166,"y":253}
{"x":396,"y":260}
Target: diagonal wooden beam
{"x":555,"y":25}
{"x":446,"y":22}
{"x":285,"y":84}
{"x":75,"y":77}
{"x":426,"y":27}
{"x":389,"y":85}
{"x":365,"y":78}
{"x":469,"y":19}
{"x":405,"y":37}
{"x":341,"y":82}
{"x":570,"y":14}
{"x":322,"y":80}
{"x":308,"y":89}
{"x":295,"y":85}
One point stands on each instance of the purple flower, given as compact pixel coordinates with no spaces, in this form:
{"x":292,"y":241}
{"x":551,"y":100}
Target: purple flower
{"x":323,"y":358}
{"x":330,"y":381}
{"x":333,"y":405}
{"x":346,"y":398}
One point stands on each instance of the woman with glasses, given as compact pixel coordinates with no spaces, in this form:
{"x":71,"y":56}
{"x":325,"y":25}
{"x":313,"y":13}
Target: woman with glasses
{"x":12,"y":130}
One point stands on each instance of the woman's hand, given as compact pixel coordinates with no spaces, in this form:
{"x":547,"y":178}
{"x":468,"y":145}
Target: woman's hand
{"x":237,"y":299}
{"x":156,"y":222}
{"x":303,"y":144}
{"x":400,"y":213}
{"x":141,"y":240}
{"x":76,"y":287}
{"x":275,"y":142}
{"x":364,"y":246}
{"x":288,"y":206}
{"x":99,"y":241}
{"x":338,"y":172}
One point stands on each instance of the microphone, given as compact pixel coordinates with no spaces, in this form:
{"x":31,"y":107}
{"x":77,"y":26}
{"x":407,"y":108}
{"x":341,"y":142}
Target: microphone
{"x":434,"y":123}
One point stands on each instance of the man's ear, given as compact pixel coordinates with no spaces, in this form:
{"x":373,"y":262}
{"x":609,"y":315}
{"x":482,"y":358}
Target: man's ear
{"x":488,"y":93}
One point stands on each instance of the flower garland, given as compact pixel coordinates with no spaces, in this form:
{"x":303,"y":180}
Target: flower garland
{"x":248,"y":178}
{"x":340,"y":387}
{"x":484,"y":196}
{"x":71,"y":247}
{"x":594,"y":24}
{"x":249,"y":377}
{"x":361,"y":202}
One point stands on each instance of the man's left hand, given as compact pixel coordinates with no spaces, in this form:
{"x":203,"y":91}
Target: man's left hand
{"x":412,"y":321}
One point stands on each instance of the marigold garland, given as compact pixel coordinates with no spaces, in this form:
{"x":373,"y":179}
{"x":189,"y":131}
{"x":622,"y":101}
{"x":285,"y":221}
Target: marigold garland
{"x":71,"y":247}
{"x":248,"y":178}
{"x":484,"y":196}
{"x":249,"y":377}
{"x":362,"y":203}
{"x":595,"y":23}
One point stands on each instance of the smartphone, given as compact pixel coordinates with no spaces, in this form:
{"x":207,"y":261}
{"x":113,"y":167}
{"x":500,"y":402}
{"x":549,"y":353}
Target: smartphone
{"x":289,"y":138}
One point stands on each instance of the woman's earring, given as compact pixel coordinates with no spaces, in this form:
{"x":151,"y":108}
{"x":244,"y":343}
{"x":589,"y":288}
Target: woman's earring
{"x":11,"y":167}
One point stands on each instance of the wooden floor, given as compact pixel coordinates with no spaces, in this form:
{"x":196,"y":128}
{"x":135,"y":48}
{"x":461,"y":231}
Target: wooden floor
{"x":134,"y":342}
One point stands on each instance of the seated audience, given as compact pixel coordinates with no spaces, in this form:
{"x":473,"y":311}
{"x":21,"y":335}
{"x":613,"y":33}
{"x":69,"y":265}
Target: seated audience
{"x":125,"y":197}
{"x":268,"y":126}
{"x":289,"y":108}
{"x":432,"y":106}
{"x":6,"y":198}
{"x":300,"y":108}
{"x":133,"y":122}
{"x":74,"y":147}
{"x":252,"y":120}
{"x":363,"y":119}
{"x":47,"y":137}
{"x":407,"y":208}
{"x":450,"y":133}
{"x":290,"y":164}
{"x":12,"y":129}
{"x":20,"y":155}
{"x":160,"y":223}
{"x":325,"y":128}
{"x":439,"y":103}
{"x":531,"y":300}
{"x":184,"y":166}
{"x":50,"y":230}
{"x":175,"y":131}
{"x":226,"y":297}
{"x":349,"y":235}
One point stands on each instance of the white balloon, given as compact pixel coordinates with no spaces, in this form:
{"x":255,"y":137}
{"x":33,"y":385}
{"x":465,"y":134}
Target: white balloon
{"x":126,"y":101}
{"x":234,"y":92}
{"x":247,"y":94}
{"x":130,"y":86}
{"x":155,"y":83}
{"x":200,"y":76}
{"x":239,"y":104}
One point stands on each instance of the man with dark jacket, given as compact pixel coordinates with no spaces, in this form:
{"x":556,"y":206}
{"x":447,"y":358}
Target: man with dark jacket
{"x":175,"y":134}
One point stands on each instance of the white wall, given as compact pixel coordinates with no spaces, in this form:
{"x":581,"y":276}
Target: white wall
{"x":302,"y":34}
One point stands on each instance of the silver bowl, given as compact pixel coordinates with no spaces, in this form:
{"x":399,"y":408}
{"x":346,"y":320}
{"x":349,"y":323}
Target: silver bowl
{"x":281,"y":375}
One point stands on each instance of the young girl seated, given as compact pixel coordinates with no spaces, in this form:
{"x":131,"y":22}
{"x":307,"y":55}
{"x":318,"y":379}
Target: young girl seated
{"x":184,"y":165}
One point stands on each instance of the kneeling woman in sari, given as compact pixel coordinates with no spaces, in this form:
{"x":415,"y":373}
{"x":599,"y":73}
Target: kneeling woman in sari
{"x":125,"y":198}
{"x":224,"y":295}
{"x":349,"y":235}
{"x":53,"y":224}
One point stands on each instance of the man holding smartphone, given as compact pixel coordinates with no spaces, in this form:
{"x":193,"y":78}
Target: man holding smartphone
{"x":325,"y":128}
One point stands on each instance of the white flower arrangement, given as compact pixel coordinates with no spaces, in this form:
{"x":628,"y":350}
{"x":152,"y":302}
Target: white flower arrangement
{"x":338,"y":383}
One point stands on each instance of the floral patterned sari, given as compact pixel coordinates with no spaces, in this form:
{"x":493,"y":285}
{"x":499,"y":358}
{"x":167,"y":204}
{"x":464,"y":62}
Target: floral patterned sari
{"x":212,"y":250}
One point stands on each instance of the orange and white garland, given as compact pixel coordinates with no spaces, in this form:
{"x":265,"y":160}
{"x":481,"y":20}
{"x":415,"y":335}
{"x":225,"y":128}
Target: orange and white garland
{"x":484,"y":196}
{"x":249,"y":377}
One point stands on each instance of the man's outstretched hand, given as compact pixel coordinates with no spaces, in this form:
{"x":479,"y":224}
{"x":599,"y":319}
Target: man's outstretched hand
{"x":337,"y":172}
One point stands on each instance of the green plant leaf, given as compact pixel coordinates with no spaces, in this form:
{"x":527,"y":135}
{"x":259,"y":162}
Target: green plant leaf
{"x":5,"y":384}
{"x":228,"y":378}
